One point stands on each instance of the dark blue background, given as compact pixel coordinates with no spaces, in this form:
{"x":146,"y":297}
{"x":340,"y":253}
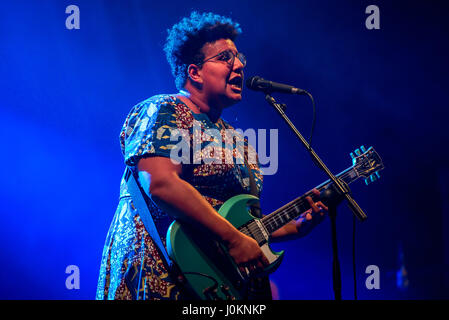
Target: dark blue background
{"x":65,"y":94}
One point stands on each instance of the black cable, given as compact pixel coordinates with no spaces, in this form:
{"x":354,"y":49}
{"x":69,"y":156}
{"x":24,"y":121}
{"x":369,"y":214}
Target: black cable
{"x":353,"y":256}
{"x":210,"y":292}
{"x":354,"y":220}
{"x":313,"y":119}
{"x":204,"y":275}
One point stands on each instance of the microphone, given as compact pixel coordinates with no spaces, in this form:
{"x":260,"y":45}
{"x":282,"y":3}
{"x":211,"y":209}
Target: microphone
{"x":259,"y":84}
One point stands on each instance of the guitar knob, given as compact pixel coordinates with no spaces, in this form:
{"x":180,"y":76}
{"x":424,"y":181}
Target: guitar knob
{"x":211,"y":293}
{"x":225,"y":290}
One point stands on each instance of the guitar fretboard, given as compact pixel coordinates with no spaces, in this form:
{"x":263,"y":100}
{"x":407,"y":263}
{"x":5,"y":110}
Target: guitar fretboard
{"x":293,"y":209}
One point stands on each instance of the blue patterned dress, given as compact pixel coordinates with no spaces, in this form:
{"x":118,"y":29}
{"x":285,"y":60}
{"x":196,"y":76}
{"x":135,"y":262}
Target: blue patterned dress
{"x":131,"y":267}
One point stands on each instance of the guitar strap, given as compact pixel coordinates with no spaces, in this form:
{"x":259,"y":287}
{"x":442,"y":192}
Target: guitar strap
{"x":140,"y":199}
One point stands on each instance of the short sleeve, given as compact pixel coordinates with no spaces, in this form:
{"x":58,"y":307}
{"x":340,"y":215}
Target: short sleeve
{"x":147,"y":130}
{"x":252,"y":159}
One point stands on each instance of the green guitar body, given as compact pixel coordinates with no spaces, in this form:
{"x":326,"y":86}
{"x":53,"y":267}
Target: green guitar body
{"x":209,"y":270}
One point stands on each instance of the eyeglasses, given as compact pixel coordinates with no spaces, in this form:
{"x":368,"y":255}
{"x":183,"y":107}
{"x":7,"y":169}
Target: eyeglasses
{"x":227,"y":56}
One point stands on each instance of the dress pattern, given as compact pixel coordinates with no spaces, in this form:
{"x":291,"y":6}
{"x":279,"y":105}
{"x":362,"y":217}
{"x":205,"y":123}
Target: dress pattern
{"x":131,"y":267}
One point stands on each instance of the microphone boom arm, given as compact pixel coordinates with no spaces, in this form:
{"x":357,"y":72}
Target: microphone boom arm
{"x":340,"y":188}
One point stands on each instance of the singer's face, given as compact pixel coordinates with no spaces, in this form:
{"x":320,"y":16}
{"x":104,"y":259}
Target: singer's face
{"x":222,"y":82}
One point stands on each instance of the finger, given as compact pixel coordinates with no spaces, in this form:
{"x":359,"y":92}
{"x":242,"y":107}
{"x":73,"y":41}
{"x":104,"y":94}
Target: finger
{"x":312,"y":204}
{"x":308,"y":214}
{"x":322,"y":207}
{"x":265,"y":261}
{"x":252,"y":269}
{"x":262,"y":263}
{"x":315,"y":192}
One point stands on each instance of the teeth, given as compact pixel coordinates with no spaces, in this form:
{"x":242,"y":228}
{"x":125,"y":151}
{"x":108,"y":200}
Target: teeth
{"x":235,"y":84}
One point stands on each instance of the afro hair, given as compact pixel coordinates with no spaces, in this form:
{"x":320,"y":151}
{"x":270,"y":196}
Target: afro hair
{"x":186,"y":39}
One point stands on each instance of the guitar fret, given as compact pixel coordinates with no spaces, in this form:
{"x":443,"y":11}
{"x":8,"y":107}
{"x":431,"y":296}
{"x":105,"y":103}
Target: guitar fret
{"x":268,"y":226}
{"x":286,"y":214}
{"x":292,"y":210}
{"x":280,"y":218}
{"x":277,"y":224}
{"x":274,"y":224}
{"x":297,"y":209}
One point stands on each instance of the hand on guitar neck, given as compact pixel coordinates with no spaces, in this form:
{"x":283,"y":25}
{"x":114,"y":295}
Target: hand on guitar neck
{"x":312,"y":217}
{"x":306,"y":221}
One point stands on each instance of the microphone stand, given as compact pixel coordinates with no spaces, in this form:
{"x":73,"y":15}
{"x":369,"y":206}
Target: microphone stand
{"x":334,"y":195}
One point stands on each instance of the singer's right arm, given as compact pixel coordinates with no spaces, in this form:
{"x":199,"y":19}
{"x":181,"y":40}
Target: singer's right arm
{"x":162,"y":179}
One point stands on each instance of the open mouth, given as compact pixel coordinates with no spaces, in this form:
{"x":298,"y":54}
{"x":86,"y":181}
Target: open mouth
{"x":236,"y":83}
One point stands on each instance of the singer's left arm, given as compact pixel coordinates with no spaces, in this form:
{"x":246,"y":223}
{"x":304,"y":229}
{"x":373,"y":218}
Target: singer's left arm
{"x":304,"y":224}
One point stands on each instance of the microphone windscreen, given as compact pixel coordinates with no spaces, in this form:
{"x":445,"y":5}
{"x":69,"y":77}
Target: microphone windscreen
{"x":251,"y":82}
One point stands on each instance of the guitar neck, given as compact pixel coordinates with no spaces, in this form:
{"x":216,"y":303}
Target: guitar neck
{"x":293,"y":209}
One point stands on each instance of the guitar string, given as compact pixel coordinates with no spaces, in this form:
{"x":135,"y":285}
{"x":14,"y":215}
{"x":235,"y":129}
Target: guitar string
{"x":292,"y":207}
{"x":270,"y":221}
{"x":273,"y":217}
{"x":295,"y":208}
{"x":258,"y":231}
{"x":285,"y":212}
{"x":273,"y":214}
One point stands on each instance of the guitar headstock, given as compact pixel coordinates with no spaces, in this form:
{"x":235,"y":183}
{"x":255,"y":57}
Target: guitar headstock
{"x":367,"y":163}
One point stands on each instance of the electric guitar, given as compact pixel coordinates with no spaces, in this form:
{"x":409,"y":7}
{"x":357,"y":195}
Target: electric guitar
{"x":210,"y":272}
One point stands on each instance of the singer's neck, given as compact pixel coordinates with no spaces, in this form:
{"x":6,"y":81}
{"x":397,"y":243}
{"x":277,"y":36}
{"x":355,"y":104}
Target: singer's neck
{"x":199,"y":103}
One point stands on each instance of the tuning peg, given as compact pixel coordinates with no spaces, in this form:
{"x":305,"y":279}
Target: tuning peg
{"x":377,"y":174}
{"x":357,"y":152}
{"x":373,"y":177}
{"x":353,"y":157}
{"x":363,"y":149}
{"x":367,"y":181}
